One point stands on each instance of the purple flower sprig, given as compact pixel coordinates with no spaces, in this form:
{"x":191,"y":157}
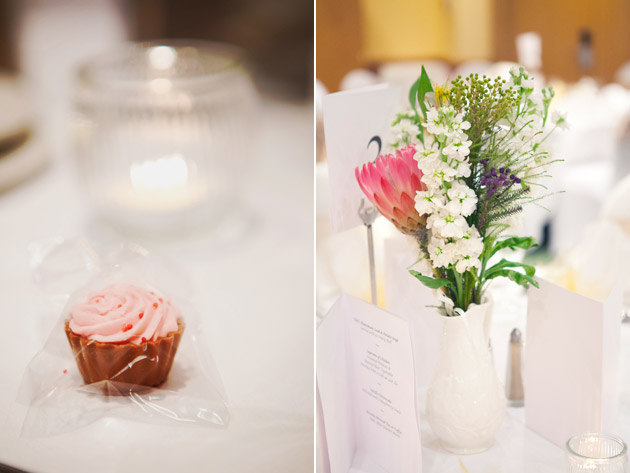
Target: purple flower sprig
{"x":494,"y":181}
{"x":497,"y":184}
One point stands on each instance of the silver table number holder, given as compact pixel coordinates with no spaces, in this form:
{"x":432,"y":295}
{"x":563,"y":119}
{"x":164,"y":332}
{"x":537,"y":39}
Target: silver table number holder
{"x":368,"y":214}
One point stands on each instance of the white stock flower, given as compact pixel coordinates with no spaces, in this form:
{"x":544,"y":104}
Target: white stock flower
{"x":467,"y":263}
{"x":462,"y":169}
{"x":441,"y":252}
{"x":515,"y":71}
{"x":462,"y":253}
{"x":467,"y":251}
{"x":537,"y":102}
{"x":435,"y":124}
{"x":465,"y":125}
{"x":429,"y":201}
{"x":560,"y":120}
{"x":471,"y":244}
{"x":446,"y":224}
{"x":405,"y":132}
{"x":433,"y":116}
{"x":435,"y":171}
{"x":462,"y":199}
{"x":528,"y":82}
{"x":426,"y":152}
{"x":459,"y":124}
{"x":458,"y":146}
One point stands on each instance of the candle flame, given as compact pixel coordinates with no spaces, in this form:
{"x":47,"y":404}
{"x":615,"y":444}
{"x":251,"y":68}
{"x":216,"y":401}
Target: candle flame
{"x":162,"y":57}
{"x":163,"y":173}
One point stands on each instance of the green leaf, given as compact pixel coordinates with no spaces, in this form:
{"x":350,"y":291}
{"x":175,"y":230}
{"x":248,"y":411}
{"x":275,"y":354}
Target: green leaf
{"x":432,"y":283}
{"x":503,"y":264}
{"x":413,"y":93}
{"x":417,"y":92}
{"x":413,"y":97}
{"x":524,"y":243}
{"x":424,"y":87}
{"x":519,"y":278}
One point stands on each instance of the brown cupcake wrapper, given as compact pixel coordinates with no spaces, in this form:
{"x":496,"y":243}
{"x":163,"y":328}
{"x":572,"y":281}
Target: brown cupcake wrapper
{"x":144,"y":365}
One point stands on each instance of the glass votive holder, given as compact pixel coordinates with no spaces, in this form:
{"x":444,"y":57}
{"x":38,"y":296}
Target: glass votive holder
{"x":160,"y":133}
{"x":596,"y":453}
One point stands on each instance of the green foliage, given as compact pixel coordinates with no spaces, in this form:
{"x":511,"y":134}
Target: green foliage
{"x":501,"y":214}
{"x":519,"y":278}
{"x":503,"y":264}
{"x":484,"y":101}
{"x":524,"y":243}
{"x":417,"y":94}
{"x":432,"y":283}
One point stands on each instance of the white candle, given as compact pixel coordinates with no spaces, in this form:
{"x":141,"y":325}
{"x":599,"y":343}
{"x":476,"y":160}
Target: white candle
{"x":166,"y":184}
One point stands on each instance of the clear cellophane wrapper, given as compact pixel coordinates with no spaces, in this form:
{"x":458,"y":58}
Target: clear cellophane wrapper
{"x":73,"y":381}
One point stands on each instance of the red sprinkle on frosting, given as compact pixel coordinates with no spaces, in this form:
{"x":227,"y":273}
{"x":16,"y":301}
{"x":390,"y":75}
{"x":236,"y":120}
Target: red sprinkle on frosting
{"x":65,"y":371}
{"x":155,"y":305}
{"x":144,"y":340}
{"x":141,"y":314}
{"x":119,"y":306}
{"x":127,"y":327}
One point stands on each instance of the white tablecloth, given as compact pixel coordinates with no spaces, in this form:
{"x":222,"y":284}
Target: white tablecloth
{"x":255,"y":289}
{"x":517,"y":449}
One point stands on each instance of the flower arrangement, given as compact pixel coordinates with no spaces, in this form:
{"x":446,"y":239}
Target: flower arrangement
{"x":466,"y":158}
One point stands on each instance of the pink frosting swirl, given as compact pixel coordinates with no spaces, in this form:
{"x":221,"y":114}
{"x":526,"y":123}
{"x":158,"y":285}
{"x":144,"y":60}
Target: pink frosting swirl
{"x":123,"y":313}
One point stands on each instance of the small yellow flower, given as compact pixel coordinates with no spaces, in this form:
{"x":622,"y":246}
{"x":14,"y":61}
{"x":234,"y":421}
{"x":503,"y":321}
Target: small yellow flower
{"x":441,"y":94}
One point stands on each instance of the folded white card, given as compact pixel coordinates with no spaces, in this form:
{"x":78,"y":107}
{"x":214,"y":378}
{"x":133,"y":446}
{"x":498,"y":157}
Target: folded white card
{"x":365,"y":379}
{"x":352,"y":121}
{"x":571,"y":362}
{"x":407,"y":297}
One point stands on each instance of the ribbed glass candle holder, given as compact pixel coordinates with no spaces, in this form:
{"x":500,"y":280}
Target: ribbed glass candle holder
{"x":596,"y":453}
{"x":161,"y":130}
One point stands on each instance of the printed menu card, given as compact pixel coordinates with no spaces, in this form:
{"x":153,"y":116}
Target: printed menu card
{"x":365,"y":380}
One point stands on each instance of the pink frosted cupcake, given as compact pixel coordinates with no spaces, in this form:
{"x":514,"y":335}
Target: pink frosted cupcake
{"x":124,"y":333}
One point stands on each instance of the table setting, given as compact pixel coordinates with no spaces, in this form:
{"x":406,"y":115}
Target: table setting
{"x":143,"y":276}
{"x":517,"y":354}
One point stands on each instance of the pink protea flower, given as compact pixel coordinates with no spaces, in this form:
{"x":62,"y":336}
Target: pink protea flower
{"x":391,"y":184}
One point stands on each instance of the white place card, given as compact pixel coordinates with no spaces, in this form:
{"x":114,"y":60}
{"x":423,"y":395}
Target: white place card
{"x":354,"y":123}
{"x":365,"y":380}
{"x":407,"y":297}
{"x":571,"y":362}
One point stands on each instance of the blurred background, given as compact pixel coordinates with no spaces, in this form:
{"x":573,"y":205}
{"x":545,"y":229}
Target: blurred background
{"x":581,"y":48}
{"x":196,"y":143}
{"x":42,"y":42}
{"x":573,"y":39}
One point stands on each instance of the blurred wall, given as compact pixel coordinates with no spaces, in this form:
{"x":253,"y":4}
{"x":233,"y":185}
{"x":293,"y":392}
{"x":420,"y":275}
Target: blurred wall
{"x":338,"y":40}
{"x":364,"y":33}
{"x":453,"y":30}
{"x":278,"y":34}
{"x":560,"y":24}
{"x":7,"y":52}
{"x":579,"y":37}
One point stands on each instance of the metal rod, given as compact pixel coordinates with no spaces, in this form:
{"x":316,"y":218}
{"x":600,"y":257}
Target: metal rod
{"x":368,"y":214}
{"x":372,"y":265}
